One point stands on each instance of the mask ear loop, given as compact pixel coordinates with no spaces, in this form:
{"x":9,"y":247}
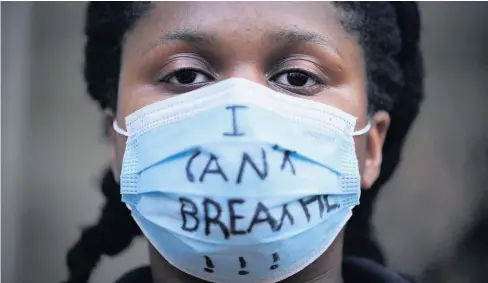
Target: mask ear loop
{"x":363,"y":130}
{"x":119,"y":130}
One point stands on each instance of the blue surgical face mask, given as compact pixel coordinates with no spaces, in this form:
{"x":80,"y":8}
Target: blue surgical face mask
{"x":235,"y":182}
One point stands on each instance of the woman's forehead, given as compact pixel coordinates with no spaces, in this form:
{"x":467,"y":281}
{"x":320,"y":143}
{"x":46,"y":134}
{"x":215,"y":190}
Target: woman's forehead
{"x":231,"y":22}
{"x":251,"y":13}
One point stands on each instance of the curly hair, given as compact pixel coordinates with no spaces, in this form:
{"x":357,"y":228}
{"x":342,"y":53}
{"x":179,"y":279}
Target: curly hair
{"x":388,"y":33}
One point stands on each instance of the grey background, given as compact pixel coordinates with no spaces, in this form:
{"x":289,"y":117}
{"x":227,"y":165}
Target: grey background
{"x":53,"y":150}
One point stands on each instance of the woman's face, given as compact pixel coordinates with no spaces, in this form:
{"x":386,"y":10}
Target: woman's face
{"x":296,"y":48}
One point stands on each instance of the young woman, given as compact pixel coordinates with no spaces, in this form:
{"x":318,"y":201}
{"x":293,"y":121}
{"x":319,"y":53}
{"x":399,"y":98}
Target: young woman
{"x":243,"y":133}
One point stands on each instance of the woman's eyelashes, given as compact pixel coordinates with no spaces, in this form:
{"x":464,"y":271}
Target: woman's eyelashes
{"x":186,"y":70}
{"x":187,"y":76}
{"x":294,"y":80}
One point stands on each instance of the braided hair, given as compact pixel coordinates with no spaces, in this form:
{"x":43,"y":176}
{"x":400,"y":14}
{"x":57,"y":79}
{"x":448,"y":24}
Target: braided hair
{"x":389,"y":36}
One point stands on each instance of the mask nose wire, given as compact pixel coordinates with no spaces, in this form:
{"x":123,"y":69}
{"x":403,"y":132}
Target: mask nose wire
{"x":356,"y":133}
{"x":119,"y":130}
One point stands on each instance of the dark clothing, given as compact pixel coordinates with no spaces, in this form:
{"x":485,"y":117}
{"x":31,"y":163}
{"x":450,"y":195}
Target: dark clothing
{"x":354,"y":270}
{"x":362,"y":270}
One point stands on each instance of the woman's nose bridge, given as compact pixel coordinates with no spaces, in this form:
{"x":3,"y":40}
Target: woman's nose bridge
{"x":248,"y":70}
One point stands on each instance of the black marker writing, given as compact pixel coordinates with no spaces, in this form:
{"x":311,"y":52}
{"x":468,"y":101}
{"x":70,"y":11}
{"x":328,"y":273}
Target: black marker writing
{"x":262,"y":209}
{"x":287,"y":160}
{"x":276,"y":258}
{"x":328,"y":206}
{"x":235,"y":130}
{"x":247,"y":159}
{"x":242,"y":263}
{"x":285,"y":213}
{"x":306,"y":202}
{"x":215,"y":219}
{"x":212,"y":220}
{"x":218,"y":170}
{"x":213,"y":167}
{"x":189,"y":175}
{"x":234,"y":217}
{"x":185,"y":213}
{"x":209,"y":264}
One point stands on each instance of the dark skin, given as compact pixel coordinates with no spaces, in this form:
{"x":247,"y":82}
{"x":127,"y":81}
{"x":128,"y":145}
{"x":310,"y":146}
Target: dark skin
{"x":296,"y":48}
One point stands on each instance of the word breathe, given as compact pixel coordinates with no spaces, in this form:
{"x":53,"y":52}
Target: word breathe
{"x":212,"y":215}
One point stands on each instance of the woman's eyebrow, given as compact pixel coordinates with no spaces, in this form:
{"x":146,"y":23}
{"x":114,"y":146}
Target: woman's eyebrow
{"x":186,"y":35}
{"x":280,"y":36}
{"x":296,"y":36}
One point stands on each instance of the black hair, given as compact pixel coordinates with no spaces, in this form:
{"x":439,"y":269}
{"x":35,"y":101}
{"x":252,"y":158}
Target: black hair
{"x":389,"y":36}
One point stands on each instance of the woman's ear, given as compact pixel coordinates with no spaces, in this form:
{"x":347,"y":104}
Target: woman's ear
{"x":375,"y":139}
{"x":112,"y":140}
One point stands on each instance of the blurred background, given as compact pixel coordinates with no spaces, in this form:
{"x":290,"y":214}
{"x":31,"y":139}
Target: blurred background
{"x":53,"y":150}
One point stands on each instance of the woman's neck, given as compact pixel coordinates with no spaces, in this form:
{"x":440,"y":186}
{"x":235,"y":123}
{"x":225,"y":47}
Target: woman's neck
{"x":325,"y":269}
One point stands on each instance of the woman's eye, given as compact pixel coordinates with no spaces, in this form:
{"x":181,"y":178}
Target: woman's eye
{"x":187,"y":77}
{"x":295,"y":79}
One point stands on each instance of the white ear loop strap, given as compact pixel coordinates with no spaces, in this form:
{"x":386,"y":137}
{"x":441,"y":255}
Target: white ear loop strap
{"x":363,"y":130}
{"x":119,"y":130}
